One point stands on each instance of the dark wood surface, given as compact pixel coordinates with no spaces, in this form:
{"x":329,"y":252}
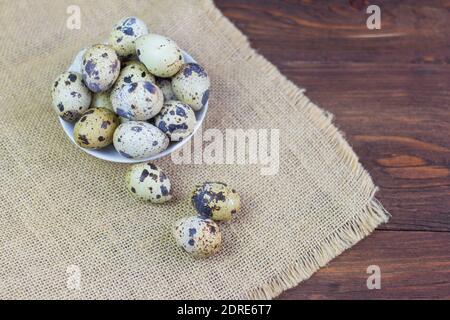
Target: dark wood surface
{"x":389,"y":90}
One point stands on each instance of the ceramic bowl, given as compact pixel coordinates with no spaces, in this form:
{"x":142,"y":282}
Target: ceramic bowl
{"x":109,"y":153}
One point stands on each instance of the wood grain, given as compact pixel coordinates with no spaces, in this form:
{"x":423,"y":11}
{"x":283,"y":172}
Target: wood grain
{"x":389,"y":92}
{"x":413,"y":265}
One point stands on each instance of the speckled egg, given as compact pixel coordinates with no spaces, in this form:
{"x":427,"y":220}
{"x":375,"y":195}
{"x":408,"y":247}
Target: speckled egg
{"x":198,"y":236}
{"x":166,"y":87}
{"x":100,"y":67}
{"x":95,"y":129}
{"x":146,"y":181}
{"x":139,"y":140}
{"x":216,"y":200}
{"x":124,"y":35}
{"x":176,"y":119}
{"x":161,"y":55}
{"x":133,"y":72}
{"x":102,"y":100}
{"x":191,"y":85}
{"x":70,"y":96}
{"x":140,"y":100}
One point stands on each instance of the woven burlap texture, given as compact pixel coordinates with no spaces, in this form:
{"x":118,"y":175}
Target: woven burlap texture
{"x":64,"y":213}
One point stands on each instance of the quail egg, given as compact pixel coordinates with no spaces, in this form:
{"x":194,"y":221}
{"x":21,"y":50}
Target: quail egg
{"x":102,"y":100}
{"x":161,"y":55}
{"x":166,"y":87}
{"x":124,"y":35}
{"x":198,"y":236}
{"x":100,"y":67}
{"x":176,"y":119}
{"x":139,"y":140}
{"x":95,"y":128}
{"x":70,"y":96}
{"x":216,"y":200}
{"x":191,"y":85}
{"x":148,"y":182}
{"x":133,"y":72}
{"x":140,"y":100}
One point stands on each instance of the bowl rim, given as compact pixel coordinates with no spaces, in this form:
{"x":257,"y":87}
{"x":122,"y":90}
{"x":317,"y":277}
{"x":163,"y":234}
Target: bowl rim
{"x":109,"y":153}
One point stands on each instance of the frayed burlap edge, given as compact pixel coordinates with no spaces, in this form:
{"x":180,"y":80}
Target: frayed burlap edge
{"x":356,"y":228}
{"x":343,"y":238}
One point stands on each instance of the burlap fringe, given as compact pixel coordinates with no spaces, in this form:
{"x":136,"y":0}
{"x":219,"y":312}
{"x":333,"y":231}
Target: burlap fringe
{"x":353,"y":230}
{"x":343,"y":238}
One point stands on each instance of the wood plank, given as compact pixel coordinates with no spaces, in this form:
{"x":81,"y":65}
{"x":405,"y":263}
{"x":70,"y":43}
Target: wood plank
{"x":413,"y":265}
{"x":335,"y":31}
{"x":399,"y":126}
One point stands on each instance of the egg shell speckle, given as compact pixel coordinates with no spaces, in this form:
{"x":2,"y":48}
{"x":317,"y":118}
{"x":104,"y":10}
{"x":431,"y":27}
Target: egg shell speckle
{"x":216,"y":200}
{"x":191,"y":85}
{"x":148,"y":182}
{"x":159,"y":54}
{"x":133,"y":71}
{"x":95,"y":128}
{"x":199,"y":237}
{"x":124,"y":35}
{"x":139,"y":140}
{"x":70,"y":96}
{"x":140,"y":100}
{"x":100,"y":67}
{"x":176,"y":119}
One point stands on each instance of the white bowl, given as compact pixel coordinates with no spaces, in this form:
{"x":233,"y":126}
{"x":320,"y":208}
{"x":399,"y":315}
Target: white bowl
{"x":109,"y":153}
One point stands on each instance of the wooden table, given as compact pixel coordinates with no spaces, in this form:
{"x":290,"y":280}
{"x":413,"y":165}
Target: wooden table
{"x":389,"y":90}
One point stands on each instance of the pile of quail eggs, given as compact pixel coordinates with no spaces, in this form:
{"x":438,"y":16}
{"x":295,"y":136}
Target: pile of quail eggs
{"x":198,"y":235}
{"x":138,"y":94}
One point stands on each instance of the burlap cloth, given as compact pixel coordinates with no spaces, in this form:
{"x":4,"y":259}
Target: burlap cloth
{"x":62,"y":209}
